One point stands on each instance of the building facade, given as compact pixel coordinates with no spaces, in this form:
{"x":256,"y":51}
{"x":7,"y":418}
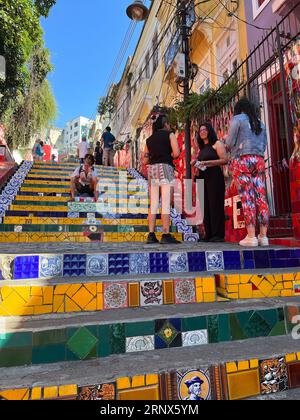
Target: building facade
{"x":74,"y":131}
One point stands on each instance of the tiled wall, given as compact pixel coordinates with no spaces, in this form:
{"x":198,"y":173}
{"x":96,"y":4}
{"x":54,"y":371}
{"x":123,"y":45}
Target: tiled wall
{"x":234,"y":380}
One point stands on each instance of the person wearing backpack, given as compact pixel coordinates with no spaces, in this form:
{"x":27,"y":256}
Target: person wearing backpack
{"x":84,"y":179}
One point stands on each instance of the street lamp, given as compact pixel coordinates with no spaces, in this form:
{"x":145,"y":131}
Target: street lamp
{"x":137,"y":11}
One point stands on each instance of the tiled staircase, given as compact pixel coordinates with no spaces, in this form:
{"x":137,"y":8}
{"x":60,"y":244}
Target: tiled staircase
{"x":113,"y":318}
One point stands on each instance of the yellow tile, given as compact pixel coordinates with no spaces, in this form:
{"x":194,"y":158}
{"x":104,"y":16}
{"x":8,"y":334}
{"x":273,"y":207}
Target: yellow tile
{"x":50,"y":392}
{"x":245,"y":291}
{"x":271,"y":279}
{"x":257,"y":294}
{"x":73,"y":289}
{"x":287,"y":293}
{"x":100,"y":302}
{"x":92,"y":306}
{"x":209,"y":285}
{"x":297,"y":278}
{"x":123,"y":383}
{"x":288,"y":277}
{"x":15,"y":394}
{"x":274,"y":293}
{"x":288,"y":285}
{"x":231,"y":367}
{"x":82,"y":298}
{"x":298,"y":356}
{"x":6,"y":291}
{"x":14,"y":305}
{"x":35,"y":301}
{"x":279,"y":286}
{"x":71,"y":306}
{"x":209,"y":297}
{"x":254,"y":363}
{"x":233,"y":288}
{"x":48,"y":295}
{"x":243,"y":384}
{"x":44,"y":309}
{"x":243,"y":365}
{"x":290,"y":358}
{"x":233,"y":279}
{"x":265,"y":288}
{"x":245,"y":278}
{"x":67,"y":390}
{"x":168,"y":293}
{"x":24,"y":292}
{"x":58,"y":304}
{"x":61,"y":290}
{"x":152,"y":379}
{"x":36,"y":291}
{"x":142,"y":394}
{"x":36,"y":393}
{"x":199,"y":295}
{"x":233,"y":296}
{"x":91,"y":287}
{"x":138,"y":381}
{"x":199,"y":282}
{"x":256,"y":280}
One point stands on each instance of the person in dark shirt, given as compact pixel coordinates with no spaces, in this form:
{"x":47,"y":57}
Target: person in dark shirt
{"x":98,"y":154}
{"x":160,"y":151}
{"x":107,"y":144}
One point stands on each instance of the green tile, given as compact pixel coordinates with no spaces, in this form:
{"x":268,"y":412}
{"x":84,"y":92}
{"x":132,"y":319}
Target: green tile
{"x":235,"y":328}
{"x":44,"y":338}
{"x":136,"y":329}
{"x":118,"y":339}
{"x":278,"y":330}
{"x":280,"y":314}
{"x":104,"y":344}
{"x":93,"y":354}
{"x":15,"y":357}
{"x":82,"y":342}
{"x":171,"y":329}
{"x":48,"y":354}
{"x":8,"y":341}
{"x":257,"y":327}
{"x":224,"y":328}
{"x":213,"y":328}
{"x":194,"y":324}
{"x":270,"y":316}
{"x":244,"y":317}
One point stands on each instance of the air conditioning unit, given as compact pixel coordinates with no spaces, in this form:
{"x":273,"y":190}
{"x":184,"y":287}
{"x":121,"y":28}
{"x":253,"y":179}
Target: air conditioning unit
{"x":179,"y":66}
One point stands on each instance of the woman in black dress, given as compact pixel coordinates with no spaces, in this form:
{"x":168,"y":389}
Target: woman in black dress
{"x":98,"y":154}
{"x":211,"y":158}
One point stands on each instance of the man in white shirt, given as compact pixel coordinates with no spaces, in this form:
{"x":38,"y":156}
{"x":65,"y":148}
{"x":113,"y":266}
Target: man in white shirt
{"x":84,"y":179}
{"x":82,"y":150}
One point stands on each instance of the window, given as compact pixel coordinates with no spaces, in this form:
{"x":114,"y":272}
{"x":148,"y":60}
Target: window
{"x":155,"y":52}
{"x":147,"y":69}
{"x":258,"y":6}
{"x":76,"y":125}
{"x":76,"y":134}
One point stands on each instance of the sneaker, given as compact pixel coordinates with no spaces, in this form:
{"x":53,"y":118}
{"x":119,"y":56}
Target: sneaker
{"x":263,"y":241}
{"x":152,"y":239}
{"x":251,"y":242}
{"x":168,"y":239}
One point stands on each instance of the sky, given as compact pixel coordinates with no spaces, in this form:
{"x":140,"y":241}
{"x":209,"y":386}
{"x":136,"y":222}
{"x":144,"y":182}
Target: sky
{"x":84,"y":38}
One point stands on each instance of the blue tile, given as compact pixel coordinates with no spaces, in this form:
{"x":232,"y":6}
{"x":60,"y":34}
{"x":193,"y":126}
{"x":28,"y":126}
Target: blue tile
{"x":159,"y":262}
{"x":97,"y":265}
{"x":51,"y":266}
{"x":118,"y":264}
{"x":249,"y":265}
{"x":159,"y":343}
{"x":248,"y":255}
{"x":283,"y":253}
{"x":26,"y":267}
{"x":178,"y":262}
{"x":197,"y":262}
{"x":262,"y":259}
{"x":278,"y":263}
{"x":293,"y":262}
{"x":214,"y":261}
{"x":176,"y":322}
{"x":139,"y":263}
{"x":74,"y":265}
{"x":232,"y":260}
{"x":295,"y":253}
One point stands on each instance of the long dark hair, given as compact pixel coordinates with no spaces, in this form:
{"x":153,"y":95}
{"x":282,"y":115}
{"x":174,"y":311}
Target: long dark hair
{"x":248,"y":108}
{"x":212,"y":135}
{"x":159,"y":123}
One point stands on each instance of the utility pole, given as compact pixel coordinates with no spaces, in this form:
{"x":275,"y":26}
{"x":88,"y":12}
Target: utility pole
{"x":185,"y":33}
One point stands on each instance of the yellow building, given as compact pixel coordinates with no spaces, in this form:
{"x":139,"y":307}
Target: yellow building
{"x":218,"y":44}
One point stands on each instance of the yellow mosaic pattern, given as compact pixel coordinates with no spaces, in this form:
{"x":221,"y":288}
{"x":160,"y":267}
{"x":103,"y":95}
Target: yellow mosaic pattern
{"x":255,"y":286}
{"x":12,"y":220}
{"x":40,"y":393}
{"x":144,"y":387}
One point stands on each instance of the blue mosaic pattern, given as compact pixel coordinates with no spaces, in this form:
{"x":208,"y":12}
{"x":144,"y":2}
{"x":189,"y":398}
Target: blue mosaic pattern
{"x":74,"y":265}
{"x":139,"y":264}
{"x":10,"y":191}
{"x":159,"y":262}
{"x":118,"y":264}
{"x":214,"y":261}
{"x":197,"y":261}
{"x":178,"y":263}
{"x":97,"y":265}
{"x":51,"y":266}
{"x":232,"y":260}
{"x":26,"y":267}
{"x":191,"y":237}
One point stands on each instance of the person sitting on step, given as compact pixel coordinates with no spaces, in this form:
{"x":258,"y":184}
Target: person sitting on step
{"x":84,"y":180}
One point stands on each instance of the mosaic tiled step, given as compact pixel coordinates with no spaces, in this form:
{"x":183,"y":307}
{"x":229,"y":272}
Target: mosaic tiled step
{"x":68,"y":221}
{"x":64,"y":209}
{"x":82,"y":339}
{"x":104,"y":210}
{"x":129,"y":228}
{"x":90,"y":235}
{"x":55,"y":195}
{"x":155,"y":262}
{"x":57,"y":296}
{"x":227,"y":371}
{"x":50,"y":201}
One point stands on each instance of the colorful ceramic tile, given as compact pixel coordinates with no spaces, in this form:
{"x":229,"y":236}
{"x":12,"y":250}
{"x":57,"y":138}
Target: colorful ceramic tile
{"x":82,"y":343}
{"x":168,"y":333}
{"x":194,"y":338}
{"x":185,"y":291}
{"x":214,"y":261}
{"x":74,"y":265}
{"x":151,"y":293}
{"x":294,"y":374}
{"x":26,"y":267}
{"x":6,"y":267}
{"x":139,"y":264}
{"x":137,"y":344}
{"x":243,"y":385}
{"x":103,"y":392}
{"x":51,"y":266}
{"x":178,"y":262}
{"x":274,"y":376}
{"x":115,"y":295}
{"x":97,"y":265}
{"x":159,"y":262}
{"x":118,"y":264}
{"x":194,"y":385}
